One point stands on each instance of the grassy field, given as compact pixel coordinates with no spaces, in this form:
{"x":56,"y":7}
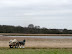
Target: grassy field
{"x":35,"y":51}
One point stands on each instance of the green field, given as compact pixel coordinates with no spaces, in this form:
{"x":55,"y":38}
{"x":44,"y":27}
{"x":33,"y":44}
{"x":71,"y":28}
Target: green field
{"x":35,"y":51}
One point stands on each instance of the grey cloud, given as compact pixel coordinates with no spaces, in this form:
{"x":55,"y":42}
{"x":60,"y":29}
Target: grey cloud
{"x":48,"y":15}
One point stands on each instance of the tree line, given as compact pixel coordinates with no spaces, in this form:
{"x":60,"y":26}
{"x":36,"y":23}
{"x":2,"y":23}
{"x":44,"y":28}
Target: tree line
{"x":31,"y":29}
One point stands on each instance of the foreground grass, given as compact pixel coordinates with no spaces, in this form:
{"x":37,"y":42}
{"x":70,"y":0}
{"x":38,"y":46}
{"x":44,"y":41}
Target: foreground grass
{"x":35,"y":51}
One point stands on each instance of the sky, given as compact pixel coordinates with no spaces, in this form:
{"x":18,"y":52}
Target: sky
{"x":52,"y":14}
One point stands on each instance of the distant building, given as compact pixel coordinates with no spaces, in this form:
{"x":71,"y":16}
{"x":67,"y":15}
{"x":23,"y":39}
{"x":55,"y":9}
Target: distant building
{"x":44,"y":28}
{"x":61,"y":30}
{"x":37,"y":27}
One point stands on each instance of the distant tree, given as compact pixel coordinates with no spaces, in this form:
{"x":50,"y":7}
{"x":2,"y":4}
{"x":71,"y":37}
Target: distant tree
{"x":65,"y":31}
{"x":32,"y":30}
{"x":30,"y":26}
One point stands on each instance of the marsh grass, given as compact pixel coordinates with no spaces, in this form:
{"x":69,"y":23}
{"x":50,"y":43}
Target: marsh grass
{"x":35,"y":51}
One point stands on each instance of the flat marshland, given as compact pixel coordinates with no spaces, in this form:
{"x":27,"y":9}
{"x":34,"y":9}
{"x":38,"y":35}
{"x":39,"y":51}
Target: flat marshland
{"x":38,"y":42}
{"x":36,"y":45}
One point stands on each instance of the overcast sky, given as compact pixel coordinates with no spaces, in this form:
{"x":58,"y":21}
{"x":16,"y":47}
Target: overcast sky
{"x":45,"y":13}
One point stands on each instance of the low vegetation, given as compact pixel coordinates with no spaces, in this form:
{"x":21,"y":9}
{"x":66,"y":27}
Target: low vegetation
{"x":31,"y":29}
{"x":22,"y":34}
{"x":35,"y":51}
